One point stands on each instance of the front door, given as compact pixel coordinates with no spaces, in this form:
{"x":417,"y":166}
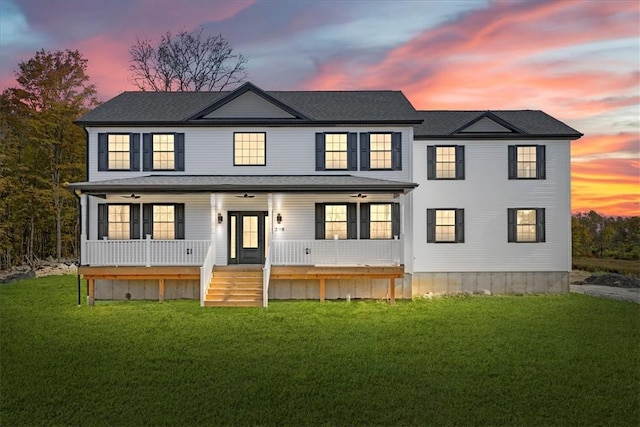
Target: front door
{"x":247,"y":237}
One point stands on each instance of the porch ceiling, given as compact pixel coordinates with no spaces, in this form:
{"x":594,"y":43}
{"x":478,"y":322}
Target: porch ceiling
{"x":243,"y":183}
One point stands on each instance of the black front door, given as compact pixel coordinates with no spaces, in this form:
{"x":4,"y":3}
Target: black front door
{"x":246,"y":237}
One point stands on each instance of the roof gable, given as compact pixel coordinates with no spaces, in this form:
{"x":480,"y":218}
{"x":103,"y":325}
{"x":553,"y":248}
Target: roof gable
{"x":248,"y":102}
{"x":487,"y":123}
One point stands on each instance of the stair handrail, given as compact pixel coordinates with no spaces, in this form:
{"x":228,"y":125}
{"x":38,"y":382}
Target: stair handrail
{"x":206,"y":271}
{"x":266,"y":274}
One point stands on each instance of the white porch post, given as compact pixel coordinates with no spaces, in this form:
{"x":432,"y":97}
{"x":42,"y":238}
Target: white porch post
{"x":214,"y":223}
{"x":83,"y":227}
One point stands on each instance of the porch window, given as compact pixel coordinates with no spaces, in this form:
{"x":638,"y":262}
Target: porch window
{"x":445,"y":162}
{"x":336,"y":220}
{"x":118,"y":221}
{"x":379,"y":220}
{"x":381,"y":151}
{"x":163,"y":221}
{"x":527,"y":162}
{"x":249,"y":149}
{"x":118,"y":151}
{"x":336,"y":151}
{"x":445,"y":225}
{"x":526,"y":225}
{"x":163,"y":151}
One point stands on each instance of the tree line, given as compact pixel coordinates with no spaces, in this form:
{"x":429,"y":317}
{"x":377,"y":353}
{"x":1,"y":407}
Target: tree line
{"x":595,"y":235}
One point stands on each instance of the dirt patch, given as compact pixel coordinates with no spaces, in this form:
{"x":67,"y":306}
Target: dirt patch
{"x":577,"y":277}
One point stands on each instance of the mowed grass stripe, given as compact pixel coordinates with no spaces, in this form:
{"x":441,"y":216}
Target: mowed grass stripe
{"x":533,"y":360}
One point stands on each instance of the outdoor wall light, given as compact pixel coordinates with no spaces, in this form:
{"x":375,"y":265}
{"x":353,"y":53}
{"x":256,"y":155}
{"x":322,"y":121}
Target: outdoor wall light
{"x":220,"y":218}
{"x":279,"y":218}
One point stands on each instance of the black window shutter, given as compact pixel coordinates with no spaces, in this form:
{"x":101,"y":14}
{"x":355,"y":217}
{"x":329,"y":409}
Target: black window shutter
{"x":179,"y":148}
{"x":541,"y":162}
{"x":147,"y":152}
{"x":103,"y":224}
{"x":540,"y":225}
{"x":134,"y":221}
{"x":460,"y":162}
{"x":459,"y":225}
{"x":103,"y":152}
{"x":431,"y":225}
{"x":431,"y":162}
{"x":511,"y":225}
{"x":365,"y":151}
{"x":147,"y":220}
{"x":396,"y":151}
{"x":513,"y":162}
{"x":320,"y":152}
{"x":395,"y":220}
{"x":134,"y":154}
{"x":352,"y":221}
{"x":320,"y":233}
{"x":365,"y":216}
{"x":179,"y":220}
{"x":352,"y":151}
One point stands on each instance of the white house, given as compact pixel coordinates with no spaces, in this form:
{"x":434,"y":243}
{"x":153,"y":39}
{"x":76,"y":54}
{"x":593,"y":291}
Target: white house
{"x":234,"y":198}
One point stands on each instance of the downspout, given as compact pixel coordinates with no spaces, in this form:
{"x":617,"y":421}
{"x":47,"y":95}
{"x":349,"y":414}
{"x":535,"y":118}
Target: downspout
{"x":75,"y":193}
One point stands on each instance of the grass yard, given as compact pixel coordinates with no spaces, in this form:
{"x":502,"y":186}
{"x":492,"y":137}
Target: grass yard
{"x":532,"y":360}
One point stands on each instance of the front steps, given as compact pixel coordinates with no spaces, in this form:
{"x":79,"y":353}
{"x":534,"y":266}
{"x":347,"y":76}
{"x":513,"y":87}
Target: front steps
{"x":235,"y":286}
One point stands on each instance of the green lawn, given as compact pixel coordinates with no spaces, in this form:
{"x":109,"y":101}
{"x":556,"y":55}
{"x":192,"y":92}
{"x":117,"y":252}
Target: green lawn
{"x":532,"y":360}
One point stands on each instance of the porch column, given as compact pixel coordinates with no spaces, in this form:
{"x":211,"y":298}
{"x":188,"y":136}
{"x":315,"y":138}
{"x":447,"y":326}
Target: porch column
{"x":84,"y":231}
{"x":214,"y":223}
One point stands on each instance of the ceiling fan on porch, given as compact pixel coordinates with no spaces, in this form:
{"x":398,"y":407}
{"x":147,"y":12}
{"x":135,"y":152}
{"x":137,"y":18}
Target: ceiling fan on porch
{"x":359,"y":195}
{"x":246,"y":196}
{"x":132,"y":196}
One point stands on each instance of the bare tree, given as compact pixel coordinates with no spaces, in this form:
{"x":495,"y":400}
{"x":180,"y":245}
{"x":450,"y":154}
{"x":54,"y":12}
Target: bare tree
{"x":187,"y":61}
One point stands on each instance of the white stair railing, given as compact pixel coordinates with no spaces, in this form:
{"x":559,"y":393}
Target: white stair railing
{"x":206,"y":271}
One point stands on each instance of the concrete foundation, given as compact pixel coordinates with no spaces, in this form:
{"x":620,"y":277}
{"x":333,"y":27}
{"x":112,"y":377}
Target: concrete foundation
{"x":538,"y":282}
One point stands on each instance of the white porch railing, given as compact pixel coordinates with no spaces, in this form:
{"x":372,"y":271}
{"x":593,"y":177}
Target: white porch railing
{"x":336,"y":252}
{"x":147,"y":252}
{"x":266,"y":275}
{"x":206,"y":271}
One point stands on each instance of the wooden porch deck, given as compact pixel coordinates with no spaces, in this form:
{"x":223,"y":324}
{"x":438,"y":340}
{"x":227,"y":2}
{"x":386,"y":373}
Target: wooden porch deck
{"x":137,"y":273}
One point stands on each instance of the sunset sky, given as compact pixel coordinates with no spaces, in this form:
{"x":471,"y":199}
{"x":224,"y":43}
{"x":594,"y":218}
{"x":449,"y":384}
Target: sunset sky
{"x":577,"y":60}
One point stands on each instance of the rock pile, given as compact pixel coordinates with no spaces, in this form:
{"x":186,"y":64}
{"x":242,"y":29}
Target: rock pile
{"x":42,"y":269}
{"x":613,"y":280}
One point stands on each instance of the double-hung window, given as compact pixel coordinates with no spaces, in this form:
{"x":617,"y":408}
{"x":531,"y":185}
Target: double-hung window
{"x":249,"y":148}
{"x":445,"y":162}
{"x":379,"y":220}
{"x":527,"y":162}
{"x":163,"y":221}
{"x":526,"y":225}
{"x":445,"y":225}
{"x":336,"y":221}
{"x":118,"y":221}
{"x":163,"y":151}
{"x":381,"y":151}
{"x":122,"y":221}
{"x":118,"y":152}
{"x":336,"y":151}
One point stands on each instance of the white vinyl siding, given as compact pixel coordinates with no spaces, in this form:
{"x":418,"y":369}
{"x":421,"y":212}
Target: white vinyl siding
{"x":486,"y":194}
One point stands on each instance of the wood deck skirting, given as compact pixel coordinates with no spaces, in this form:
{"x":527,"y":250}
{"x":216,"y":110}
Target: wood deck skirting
{"x":137,"y":273}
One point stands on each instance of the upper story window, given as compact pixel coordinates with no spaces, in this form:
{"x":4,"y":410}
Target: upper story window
{"x":118,"y":151}
{"x":163,"y":151}
{"x":336,"y":221}
{"x":381,"y":151}
{"x":445,"y":162}
{"x":249,"y":149}
{"x":336,"y":151}
{"x":445,"y":225}
{"x":526,"y":225}
{"x":379,"y":220}
{"x":527,"y":162}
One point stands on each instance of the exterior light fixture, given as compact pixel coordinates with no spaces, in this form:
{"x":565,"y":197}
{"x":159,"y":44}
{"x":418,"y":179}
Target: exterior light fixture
{"x":279,"y":218}
{"x":220,"y":218}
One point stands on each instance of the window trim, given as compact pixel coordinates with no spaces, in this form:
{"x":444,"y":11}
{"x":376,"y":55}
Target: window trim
{"x":264,"y":160}
{"x":103,"y":220}
{"x":179,"y":219}
{"x":352,"y":226}
{"x":352,"y":151}
{"x":365,"y":220}
{"x":432,"y":162}
{"x":458,"y":224}
{"x":178,"y":150}
{"x":103,"y":152}
{"x":512,"y":226}
{"x":541,"y":162}
{"x":395,"y":151}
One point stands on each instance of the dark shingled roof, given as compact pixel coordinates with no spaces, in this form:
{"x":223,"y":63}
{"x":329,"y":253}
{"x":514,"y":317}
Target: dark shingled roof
{"x":241,"y":183}
{"x":329,"y":106}
{"x":530,"y":123}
